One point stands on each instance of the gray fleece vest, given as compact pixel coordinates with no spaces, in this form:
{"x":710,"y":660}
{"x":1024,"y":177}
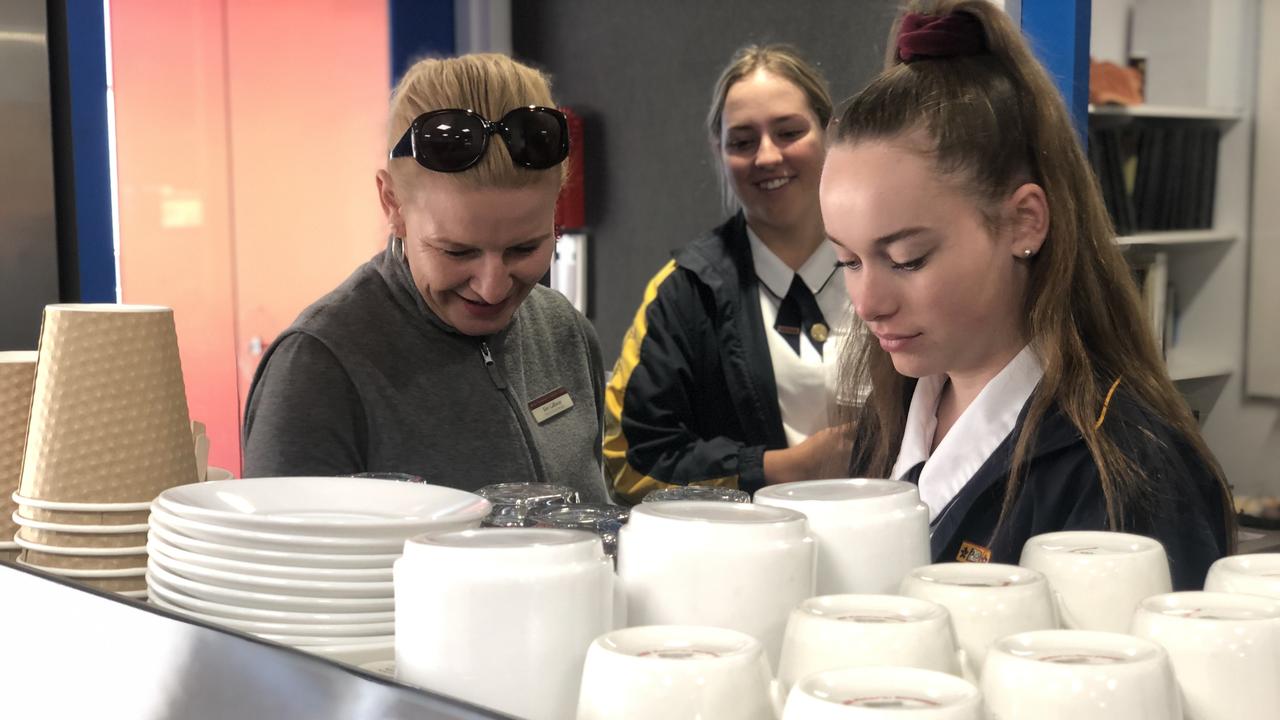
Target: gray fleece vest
{"x":369,"y":379}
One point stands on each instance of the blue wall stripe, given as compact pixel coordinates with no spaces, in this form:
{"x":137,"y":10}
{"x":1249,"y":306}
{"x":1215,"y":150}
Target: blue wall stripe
{"x":419,"y":28}
{"x":1059,"y":34}
{"x":87,"y":71}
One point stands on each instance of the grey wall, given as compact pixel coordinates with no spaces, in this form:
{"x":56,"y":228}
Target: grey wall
{"x":641,"y":74}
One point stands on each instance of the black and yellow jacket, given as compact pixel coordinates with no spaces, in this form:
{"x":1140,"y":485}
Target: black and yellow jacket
{"x":692,"y":399}
{"x":1061,"y":491}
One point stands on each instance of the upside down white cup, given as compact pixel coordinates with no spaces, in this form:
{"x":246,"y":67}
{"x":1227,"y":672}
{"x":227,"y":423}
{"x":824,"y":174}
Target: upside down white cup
{"x":870,"y":533}
{"x":1257,"y":574}
{"x":502,"y":617}
{"x":732,"y":565}
{"x":986,"y":601}
{"x":1079,"y":675}
{"x":1098,"y":578}
{"x":676,"y":671}
{"x":1225,"y":651}
{"x":883,"y":693}
{"x":840,"y":631}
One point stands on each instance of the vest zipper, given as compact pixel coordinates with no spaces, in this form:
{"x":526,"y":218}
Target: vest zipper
{"x":500,"y":383}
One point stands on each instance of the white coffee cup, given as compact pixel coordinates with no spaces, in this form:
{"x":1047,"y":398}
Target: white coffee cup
{"x":1225,"y":651}
{"x":839,"y":631}
{"x":732,"y":565}
{"x":675,"y":671}
{"x":870,"y":533}
{"x":502,"y":617}
{"x":1257,"y":574}
{"x":882,"y":693}
{"x":986,"y":601}
{"x":1098,"y":578}
{"x":1079,"y":675}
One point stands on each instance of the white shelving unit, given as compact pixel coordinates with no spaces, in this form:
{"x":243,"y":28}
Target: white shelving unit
{"x":1201,"y":58}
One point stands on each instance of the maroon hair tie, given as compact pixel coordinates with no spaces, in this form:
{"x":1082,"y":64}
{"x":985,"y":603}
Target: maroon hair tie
{"x":940,"y":36}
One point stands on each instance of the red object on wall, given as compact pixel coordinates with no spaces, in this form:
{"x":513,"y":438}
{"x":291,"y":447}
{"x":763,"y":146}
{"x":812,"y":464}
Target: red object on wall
{"x":571,"y":210}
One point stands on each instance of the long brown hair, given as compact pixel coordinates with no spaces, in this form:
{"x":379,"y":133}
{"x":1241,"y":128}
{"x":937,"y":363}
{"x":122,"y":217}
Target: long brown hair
{"x":996,"y":121}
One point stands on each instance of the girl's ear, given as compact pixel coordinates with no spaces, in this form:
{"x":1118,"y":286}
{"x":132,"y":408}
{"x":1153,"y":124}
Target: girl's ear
{"x":1028,"y":211}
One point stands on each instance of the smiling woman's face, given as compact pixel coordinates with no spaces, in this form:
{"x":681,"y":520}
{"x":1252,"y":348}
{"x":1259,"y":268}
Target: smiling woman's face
{"x":772,"y":150}
{"x":475,"y":254}
{"x":940,"y":290}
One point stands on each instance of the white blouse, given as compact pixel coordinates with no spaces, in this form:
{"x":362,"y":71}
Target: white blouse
{"x":806,"y":382}
{"x":976,"y":434}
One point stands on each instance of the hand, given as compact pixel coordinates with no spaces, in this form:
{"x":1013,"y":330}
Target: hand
{"x":825,"y":454}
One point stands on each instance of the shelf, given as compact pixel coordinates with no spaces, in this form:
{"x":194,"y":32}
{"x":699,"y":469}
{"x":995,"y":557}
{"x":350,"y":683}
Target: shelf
{"x":1172,"y":112}
{"x":1198,"y":368}
{"x":1177,"y":237}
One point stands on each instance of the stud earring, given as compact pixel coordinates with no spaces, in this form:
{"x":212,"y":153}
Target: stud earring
{"x":1026,"y":252}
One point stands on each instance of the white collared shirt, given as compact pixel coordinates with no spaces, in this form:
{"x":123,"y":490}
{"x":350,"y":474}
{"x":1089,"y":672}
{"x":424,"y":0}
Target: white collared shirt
{"x":976,"y":434}
{"x":806,"y":382}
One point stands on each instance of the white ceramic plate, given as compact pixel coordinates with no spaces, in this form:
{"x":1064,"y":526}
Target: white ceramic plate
{"x":71,"y":573}
{"x":267,"y":570}
{"x":268,"y":601}
{"x":257,"y":583}
{"x":354,"y":654}
{"x":136,"y":594}
{"x":309,"y":561}
{"x":327,"y":506}
{"x":281,"y":628}
{"x":336,"y":543}
{"x":79,"y":507}
{"x":310,"y":641}
{"x":10,"y":545}
{"x":84,"y":551}
{"x":174,"y":596}
{"x":64,"y":527}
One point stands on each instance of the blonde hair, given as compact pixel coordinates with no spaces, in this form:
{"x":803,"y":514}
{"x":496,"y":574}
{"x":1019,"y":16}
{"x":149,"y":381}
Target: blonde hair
{"x":996,"y":120}
{"x":487,"y":83}
{"x":781,"y":61}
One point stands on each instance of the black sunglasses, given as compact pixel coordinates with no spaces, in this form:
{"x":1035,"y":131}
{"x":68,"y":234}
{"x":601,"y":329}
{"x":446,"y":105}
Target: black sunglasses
{"x":453,"y":140}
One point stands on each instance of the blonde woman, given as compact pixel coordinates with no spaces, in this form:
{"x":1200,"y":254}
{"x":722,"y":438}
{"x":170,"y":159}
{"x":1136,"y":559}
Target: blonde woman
{"x":1015,"y":378}
{"x":727,"y":376}
{"x":442,"y":356}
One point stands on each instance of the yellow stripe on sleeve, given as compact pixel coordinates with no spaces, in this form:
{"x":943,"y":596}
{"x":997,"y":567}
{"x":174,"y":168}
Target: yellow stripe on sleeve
{"x":628,"y":483}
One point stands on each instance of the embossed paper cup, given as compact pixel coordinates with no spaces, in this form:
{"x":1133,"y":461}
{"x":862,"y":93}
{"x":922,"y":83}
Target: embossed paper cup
{"x":1225,"y":651}
{"x":17,"y":378}
{"x":675,"y":671}
{"x":109,"y":419}
{"x":870,"y":533}
{"x":1098,"y":578}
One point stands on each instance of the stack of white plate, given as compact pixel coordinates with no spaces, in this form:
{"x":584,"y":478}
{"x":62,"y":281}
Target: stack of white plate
{"x":301,"y":561}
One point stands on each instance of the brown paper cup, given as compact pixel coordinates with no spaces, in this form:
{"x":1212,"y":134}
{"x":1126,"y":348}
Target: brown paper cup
{"x":82,"y":540}
{"x":17,"y":377}
{"x":83,"y":562}
{"x":109,"y":418}
{"x":115,"y":584}
{"x":9,"y":555}
{"x":133,"y":517}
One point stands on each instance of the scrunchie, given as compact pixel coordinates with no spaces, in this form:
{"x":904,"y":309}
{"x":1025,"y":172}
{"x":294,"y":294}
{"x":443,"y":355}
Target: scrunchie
{"x":940,"y":36}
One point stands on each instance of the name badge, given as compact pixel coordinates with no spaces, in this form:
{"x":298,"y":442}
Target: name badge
{"x":550,"y":405}
{"x":973,"y":553}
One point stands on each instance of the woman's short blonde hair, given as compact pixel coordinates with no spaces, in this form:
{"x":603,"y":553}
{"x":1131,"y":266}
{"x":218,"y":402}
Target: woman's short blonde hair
{"x":487,"y":83}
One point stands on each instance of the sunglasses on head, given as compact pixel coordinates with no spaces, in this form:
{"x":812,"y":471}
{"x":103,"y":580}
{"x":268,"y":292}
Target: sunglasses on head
{"x":453,"y":140}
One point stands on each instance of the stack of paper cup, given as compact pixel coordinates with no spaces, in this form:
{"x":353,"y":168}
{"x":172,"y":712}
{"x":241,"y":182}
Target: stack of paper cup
{"x":17,"y":375}
{"x":108,"y":432}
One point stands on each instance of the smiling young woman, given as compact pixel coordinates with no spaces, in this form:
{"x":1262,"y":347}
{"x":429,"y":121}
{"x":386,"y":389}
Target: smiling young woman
{"x":727,"y":376}
{"x":1014,"y":376}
